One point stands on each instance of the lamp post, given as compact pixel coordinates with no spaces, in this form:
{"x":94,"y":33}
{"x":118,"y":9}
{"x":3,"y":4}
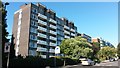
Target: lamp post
{"x":6,"y":5}
{"x":8,"y":58}
{"x":4,"y":9}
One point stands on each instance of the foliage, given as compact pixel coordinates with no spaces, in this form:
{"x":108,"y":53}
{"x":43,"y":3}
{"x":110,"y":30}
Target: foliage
{"x":3,"y":26}
{"x":76,"y":47}
{"x":118,"y":50}
{"x":106,"y":53}
{"x":38,"y":62}
{"x":96,"y":46}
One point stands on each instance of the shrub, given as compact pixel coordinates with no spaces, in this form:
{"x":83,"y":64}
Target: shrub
{"x":37,"y":62}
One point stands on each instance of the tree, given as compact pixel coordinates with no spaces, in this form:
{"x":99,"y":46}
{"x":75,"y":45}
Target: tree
{"x":76,"y":47}
{"x":118,"y":50}
{"x":4,"y":31}
{"x":12,"y":50}
{"x":106,"y":53}
{"x":96,"y":48}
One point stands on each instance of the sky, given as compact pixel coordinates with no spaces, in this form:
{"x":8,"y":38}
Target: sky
{"x":96,"y":19}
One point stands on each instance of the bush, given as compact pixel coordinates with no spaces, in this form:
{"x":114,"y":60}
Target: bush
{"x":51,"y":62}
{"x":69,"y":61}
{"x":32,"y":62}
{"x":37,"y":62}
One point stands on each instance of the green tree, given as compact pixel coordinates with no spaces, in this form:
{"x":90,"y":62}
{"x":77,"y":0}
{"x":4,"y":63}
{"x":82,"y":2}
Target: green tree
{"x":76,"y":47}
{"x":4,"y":31}
{"x":106,"y":53}
{"x":118,"y":50}
{"x":96,"y":48}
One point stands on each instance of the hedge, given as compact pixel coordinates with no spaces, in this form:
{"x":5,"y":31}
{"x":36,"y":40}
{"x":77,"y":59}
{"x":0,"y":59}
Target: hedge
{"x":37,"y":62}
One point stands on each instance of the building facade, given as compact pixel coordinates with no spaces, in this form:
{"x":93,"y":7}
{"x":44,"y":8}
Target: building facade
{"x":102,"y":42}
{"x":37,"y":30}
{"x":87,"y":37}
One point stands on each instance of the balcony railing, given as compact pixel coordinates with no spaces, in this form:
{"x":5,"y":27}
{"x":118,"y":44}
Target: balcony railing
{"x":52,"y":50}
{"x":66,"y":32}
{"x":42,"y":29}
{"x":41,"y":49}
{"x":72,"y":34}
{"x":66,"y":27}
{"x":53,"y":44}
{"x":42,"y":35}
{"x":53,"y":38}
{"x":52,"y":26}
{"x":42,"y":22}
{"x":43,"y":56}
{"x":53,"y":32}
{"x":42,"y":16}
{"x":42,"y":42}
{"x":67,"y":36}
{"x":53,"y":21}
{"x":73,"y":30}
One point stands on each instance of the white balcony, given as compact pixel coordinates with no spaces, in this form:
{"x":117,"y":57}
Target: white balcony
{"x":52,"y":26}
{"x":41,"y":49}
{"x":42,"y":29}
{"x":53,"y":32}
{"x":42,"y":35}
{"x":52,"y":50}
{"x":53,"y":38}
{"x":66,"y":32}
{"x":42,"y":16}
{"x":43,"y":56}
{"x":72,"y":30}
{"x":42,"y":42}
{"x":53,"y":21}
{"x":67,"y":36}
{"x":72,"y":34}
{"x":42,"y":22}
{"x":66,"y":27}
{"x":53,"y":44}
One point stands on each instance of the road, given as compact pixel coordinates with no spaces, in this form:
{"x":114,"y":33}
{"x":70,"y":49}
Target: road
{"x":105,"y":64}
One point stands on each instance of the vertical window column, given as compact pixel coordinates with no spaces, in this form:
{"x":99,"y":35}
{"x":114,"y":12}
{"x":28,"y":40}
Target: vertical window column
{"x":18,"y":32}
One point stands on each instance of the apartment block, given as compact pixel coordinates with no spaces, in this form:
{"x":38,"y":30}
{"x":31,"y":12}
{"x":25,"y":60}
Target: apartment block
{"x":37,"y":30}
{"x":70,"y":30}
{"x":87,"y":37}
{"x":96,"y":40}
{"x":102,"y":42}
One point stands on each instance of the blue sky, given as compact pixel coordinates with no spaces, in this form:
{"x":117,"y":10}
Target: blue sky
{"x":97,"y":19}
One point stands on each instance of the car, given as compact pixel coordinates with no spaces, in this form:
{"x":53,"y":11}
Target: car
{"x":87,"y":62}
{"x":112,"y":59}
{"x":116,"y":58}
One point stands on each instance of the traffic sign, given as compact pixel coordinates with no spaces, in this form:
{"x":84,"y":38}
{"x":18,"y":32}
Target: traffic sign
{"x":57,"y":50}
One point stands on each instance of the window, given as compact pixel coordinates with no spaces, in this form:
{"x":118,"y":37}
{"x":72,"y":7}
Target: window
{"x":33,"y":30}
{"x":32,"y":52}
{"x":17,"y":43}
{"x":33,"y":37}
{"x":19,"y":22}
{"x":34,"y":10}
{"x":33,"y":45}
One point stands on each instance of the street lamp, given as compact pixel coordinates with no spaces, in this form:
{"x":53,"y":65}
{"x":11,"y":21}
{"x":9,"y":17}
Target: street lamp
{"x":6,"y":4}
{"x":9,"y":52}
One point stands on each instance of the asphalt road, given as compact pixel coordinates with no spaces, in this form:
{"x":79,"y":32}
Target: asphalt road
{"x":105,"y":64}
